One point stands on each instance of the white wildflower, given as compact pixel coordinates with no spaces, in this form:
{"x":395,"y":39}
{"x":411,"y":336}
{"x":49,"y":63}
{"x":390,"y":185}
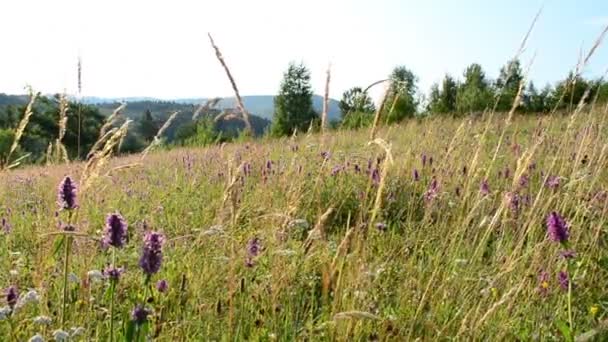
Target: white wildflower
{"x":60,"y":335}
{"x":30,"y":296}
{"x":95,"y":275}
{"x":14,"y":273}
{"x":4,"y":312}
{"x":36,"y":338}
{"x":43,"y":320}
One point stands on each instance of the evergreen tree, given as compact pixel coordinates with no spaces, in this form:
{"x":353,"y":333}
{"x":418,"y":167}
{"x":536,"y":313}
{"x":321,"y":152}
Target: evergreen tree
{"x":401,"y":101}
{"x":474,"y":94}
{"x":148,"y":126}
{"x":293,"y":105}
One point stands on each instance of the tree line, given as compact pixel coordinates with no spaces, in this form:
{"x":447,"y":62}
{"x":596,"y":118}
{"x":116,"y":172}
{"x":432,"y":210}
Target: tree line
{"x":473,"y":93}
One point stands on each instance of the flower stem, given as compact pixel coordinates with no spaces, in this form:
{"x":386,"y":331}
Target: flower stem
{"x":570,"y":275}
{"x":112,"y":289}
{"x":66,"y":265}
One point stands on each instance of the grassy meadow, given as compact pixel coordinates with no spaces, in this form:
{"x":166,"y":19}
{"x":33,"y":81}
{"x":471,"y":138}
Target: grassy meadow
{"x":435,"y":230}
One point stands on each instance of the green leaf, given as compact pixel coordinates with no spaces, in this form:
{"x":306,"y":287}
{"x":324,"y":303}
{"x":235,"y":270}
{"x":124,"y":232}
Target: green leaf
{"x":58,"y":245}
{"x":564,"y":329}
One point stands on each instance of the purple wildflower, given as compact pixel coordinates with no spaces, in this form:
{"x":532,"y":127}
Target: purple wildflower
{"x":152,"y":254}
{"x":115,"y":234}
{"x":381,"y":226}
{"x":416,"y":175}
{"x":66,"y":197}
{"x":6,"y":227}
{"x":432,"y":191}
{"x":563,"y":279}
{"x":552,"y":182}
{"x":113,"y":273}
{"x":325,"y":155}
{"x":423,"y":160}
{"x":253,"y":249}
{"x":457,"y":191}
{"x":524,"y":180}
{"x":375,"y":176}
{"x":514,"y":202}
{"x":484,"y":188}
{"x":464,"y":170}
{"x":507,"y":173}
{"x":557,"y":228}
{"x":162,"y":286}
{"x":336,"y":169}
{"x":12,"y":295}
{"x":139,"y":315}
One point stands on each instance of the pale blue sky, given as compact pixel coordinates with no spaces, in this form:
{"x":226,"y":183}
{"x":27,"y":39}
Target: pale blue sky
{"x":159,"y":48}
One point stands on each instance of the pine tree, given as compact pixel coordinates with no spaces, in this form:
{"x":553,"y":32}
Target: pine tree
{"x":148,"y":126}
{"x":293,"y":108}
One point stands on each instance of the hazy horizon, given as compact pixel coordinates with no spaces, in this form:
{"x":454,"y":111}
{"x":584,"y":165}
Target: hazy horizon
{"x":160,"y":50}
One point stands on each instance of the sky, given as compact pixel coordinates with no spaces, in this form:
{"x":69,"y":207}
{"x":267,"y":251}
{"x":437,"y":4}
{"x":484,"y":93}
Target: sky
{"x":160,"y":48}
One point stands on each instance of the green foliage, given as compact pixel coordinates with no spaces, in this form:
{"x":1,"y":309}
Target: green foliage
{"x":474,"y":95}
{"x":293,"y":105}
{"x":443,"y":100}
{"x":6,"y":140}
{"x":401,"y":101}
{"x":507,"y":85}
{"x":147,"y":126}
{"x":535,"y":102}
{"x":202,"y":132}
{"x":43,"y":127}
{"x":356,"y":120}
{"x":355,"y":100}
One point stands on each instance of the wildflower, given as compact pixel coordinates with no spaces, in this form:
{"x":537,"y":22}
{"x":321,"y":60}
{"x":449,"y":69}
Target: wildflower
{"x":557,"y":228}
{"x":416,"y":175}
{"x":139,"y":315}
{"x":375,"y":176}
{"x":543,"y":282}
{"x":336,"y":170}
{"x":30,"y":296}
{"x":325,"y":155}
{"x":423,"y":160}
{"x":5,"y":311}
{"x":484,"y":188}
{"x":66,"y":227}
{"x":162,"y":286}
{"x":152,"y":254}
{"x":552,"y":182}
{"x":432,"y":191}
{"x":12,"y":295}
{"x":115,"y":234}
{"x":60,"y":335}
{"x":563,"y":279}
{"x":507,"y":173}
{"x":381,"y":226}
{"x":593,"y":310}
{"x":464,"y":170}
{"x":524,"y":180}
{"x":36,"y":338}
{"x":95,"y":275}
{"x":253,"y":249}
{"x":514,"y":201}
{"x":66,"y":197}
{"x":42,"y":320}
{"x":5,"y":225}
{"x":113,"y":273}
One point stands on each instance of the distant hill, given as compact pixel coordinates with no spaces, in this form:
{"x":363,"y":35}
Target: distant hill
{"x":260,"y":105}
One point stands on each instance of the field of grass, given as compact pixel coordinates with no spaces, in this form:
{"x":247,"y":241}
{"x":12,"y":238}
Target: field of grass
{"x":438,"y":231}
